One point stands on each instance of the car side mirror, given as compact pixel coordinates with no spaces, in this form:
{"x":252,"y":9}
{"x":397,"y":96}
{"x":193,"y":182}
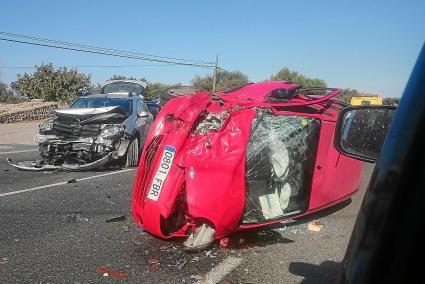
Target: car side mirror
{"x":143,"y":114}
{"x":361,"y":131}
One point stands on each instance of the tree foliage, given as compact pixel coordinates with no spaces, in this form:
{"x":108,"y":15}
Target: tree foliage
{"x":123,"y":77}
{"x":51,"y":84}
{"x":154,"y":89}
{"x":225,"y":80}
{"x":294,"y":77}
{"x":7,"y":95}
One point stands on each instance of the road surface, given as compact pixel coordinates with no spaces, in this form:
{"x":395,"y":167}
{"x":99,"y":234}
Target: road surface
{"x":55,"y":229}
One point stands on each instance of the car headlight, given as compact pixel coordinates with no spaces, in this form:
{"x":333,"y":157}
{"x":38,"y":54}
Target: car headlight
{"x":111,"y":131}
{"x":46,"y":126}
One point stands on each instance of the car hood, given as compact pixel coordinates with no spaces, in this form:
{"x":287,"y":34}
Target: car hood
{"x":111,"y":114}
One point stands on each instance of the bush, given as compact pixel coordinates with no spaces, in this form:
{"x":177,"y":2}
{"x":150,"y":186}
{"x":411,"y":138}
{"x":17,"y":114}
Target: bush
{"x":50,"y":84}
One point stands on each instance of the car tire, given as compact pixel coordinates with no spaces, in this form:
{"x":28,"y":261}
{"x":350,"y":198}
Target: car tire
{"x":132,"y":157}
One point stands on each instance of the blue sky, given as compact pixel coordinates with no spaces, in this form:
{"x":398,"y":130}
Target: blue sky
{"x":370,"y":46}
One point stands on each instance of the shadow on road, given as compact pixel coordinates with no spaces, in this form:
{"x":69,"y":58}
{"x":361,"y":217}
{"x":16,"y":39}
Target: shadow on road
{"x":326,"y":272}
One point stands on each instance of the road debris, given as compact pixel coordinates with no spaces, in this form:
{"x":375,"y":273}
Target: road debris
{"x":153,"y":260}
{"x":224,"y":242}
{"x":3,"y":262}
{"x":117,"y":219}
{"x":280,"y":229}
{"x":315,"y":226}
{"x":75,"y":218}
{"x":197,"y":277}
{"x":196,"y":258}
{"x":182,"y":263}
{"x":72,"y":180}
{"x":139,"y":230}
{"x":154,"y":264}
{"x":107,"y":272}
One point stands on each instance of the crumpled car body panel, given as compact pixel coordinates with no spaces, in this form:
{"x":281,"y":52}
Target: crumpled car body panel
{"x":193,"y":168}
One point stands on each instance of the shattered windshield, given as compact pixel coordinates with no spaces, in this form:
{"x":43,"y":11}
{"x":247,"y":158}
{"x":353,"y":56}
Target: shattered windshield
{"x":125,"y":104}
{"x":122,"y":87}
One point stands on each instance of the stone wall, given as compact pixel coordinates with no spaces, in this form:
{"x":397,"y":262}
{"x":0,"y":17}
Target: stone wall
{"x":26,"y":111}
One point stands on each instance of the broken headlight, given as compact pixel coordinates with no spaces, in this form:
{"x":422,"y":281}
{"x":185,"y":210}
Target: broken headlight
{"x":39,"y":138}
{"x":111,"y":131}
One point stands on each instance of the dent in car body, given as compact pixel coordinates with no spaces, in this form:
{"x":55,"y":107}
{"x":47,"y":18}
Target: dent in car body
{"x":208,"y":181}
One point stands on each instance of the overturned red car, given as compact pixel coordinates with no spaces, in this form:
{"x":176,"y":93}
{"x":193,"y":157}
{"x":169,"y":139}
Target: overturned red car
{"x":249,"y":157}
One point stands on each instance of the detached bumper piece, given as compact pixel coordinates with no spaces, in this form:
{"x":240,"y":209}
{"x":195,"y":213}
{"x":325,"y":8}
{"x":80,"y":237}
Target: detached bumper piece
{"x":34,"y":166}
{"x":31,"y":166}
{"x":200,"y":239}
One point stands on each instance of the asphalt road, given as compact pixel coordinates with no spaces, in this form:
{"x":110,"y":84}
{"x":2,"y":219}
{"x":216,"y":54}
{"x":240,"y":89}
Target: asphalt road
{"x":60,"y":234}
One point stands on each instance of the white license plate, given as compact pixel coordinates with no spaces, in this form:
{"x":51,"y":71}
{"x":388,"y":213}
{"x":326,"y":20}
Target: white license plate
{"x":162,"y":172}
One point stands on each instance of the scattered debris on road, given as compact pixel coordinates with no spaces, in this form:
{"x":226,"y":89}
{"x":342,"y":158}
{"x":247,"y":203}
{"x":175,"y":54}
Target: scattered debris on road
{"x":197,"y":277}
{"x":153,"y":260}
{"x":107,"y":272}
{"x":139,"y":230}
{"x":75,"y":217}
{"x":182,"y":263}
{"x":224,"y":242}
{"x":117,"y":219}
{"x":154,"y":264}
{"x":315,"y":226}
{"x":72,"y":180}
{"x":4,"y":262}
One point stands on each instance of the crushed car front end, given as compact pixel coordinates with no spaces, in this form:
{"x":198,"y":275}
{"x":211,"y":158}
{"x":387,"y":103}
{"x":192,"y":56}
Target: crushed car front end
{"x":80,"y":139}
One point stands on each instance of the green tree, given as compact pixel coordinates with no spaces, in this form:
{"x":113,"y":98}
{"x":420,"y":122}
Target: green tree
{"x":6,"y":94}
{"x":294,"y":77}
{"x":51,"y":84}
{"x":123,"y":77}
{"x":225,"y":80}
{"x":154,"y":89}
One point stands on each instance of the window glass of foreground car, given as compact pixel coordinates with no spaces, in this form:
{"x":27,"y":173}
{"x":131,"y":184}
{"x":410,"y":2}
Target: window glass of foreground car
{"x":386,"y":245}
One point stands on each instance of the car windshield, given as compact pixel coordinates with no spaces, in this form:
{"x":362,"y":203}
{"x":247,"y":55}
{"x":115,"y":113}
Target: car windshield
{"x":122,"y":87}
{"x":125,"y":104}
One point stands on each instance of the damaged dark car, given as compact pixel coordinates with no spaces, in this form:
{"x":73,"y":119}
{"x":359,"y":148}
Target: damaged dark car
{"x":96,"y":130}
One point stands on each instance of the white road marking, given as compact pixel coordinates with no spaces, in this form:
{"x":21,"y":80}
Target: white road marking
{"x":18,"y":151}
{"x":61,"y":183}
{"x":220,"y":271}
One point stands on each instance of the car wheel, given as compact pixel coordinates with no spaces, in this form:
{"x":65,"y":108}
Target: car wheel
{"x":132,"y":158}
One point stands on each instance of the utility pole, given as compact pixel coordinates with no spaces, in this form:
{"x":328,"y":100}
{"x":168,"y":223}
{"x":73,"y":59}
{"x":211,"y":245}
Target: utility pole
{"x":215,"y":74}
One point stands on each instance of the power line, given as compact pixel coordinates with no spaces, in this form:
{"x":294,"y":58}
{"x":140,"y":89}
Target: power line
{"x":223,"y":70}
{"x":107,"y":53}
{"x":92,"y":66}
{"x":100,"y":49}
